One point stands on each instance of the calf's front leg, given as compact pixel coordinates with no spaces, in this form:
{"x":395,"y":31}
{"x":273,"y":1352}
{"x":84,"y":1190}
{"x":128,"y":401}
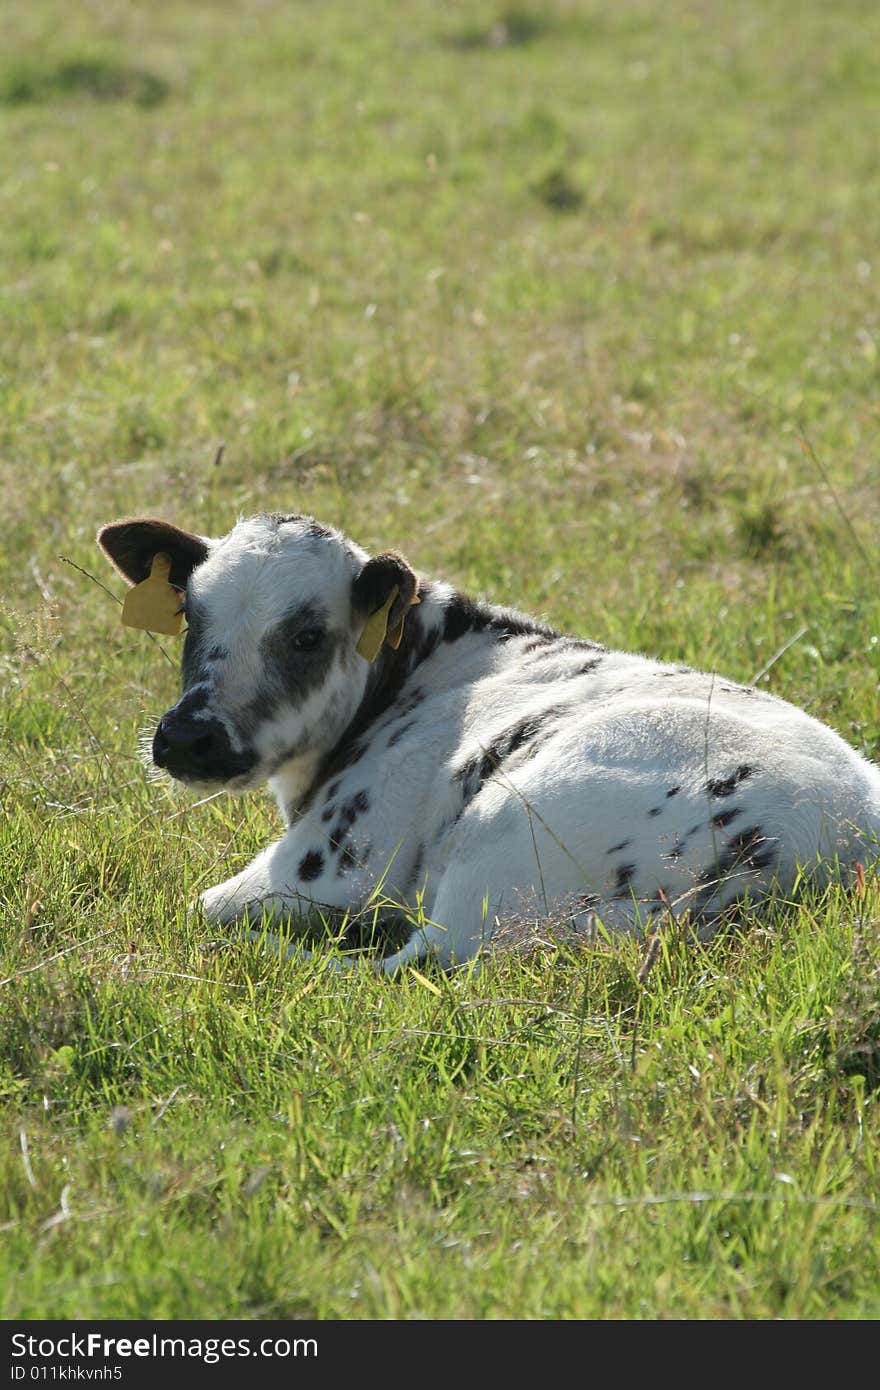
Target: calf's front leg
{"x":272,"y":885}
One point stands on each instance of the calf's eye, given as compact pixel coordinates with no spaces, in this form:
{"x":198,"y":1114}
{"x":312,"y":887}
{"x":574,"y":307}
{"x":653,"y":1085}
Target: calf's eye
{"x":308,"y":639}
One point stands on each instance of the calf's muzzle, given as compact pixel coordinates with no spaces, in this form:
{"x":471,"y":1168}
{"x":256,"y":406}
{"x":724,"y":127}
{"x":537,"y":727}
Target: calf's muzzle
{"x":197,"y":749}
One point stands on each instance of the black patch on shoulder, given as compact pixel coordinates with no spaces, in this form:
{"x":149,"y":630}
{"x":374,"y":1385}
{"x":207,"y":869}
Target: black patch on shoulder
{"x":615,"y":849}
{"x":311,"y":865}
{"x":393,"y":668}
{"x":387,"y":677}
{"x":726,"y":786}
{"x":463,"y":614}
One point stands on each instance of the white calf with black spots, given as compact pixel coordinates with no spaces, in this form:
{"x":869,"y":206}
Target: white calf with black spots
{"x":458,"y":764}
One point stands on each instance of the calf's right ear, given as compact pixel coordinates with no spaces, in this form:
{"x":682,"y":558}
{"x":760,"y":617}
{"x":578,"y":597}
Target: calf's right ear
{"x":384,"y":592}
{"x":132,"y":544}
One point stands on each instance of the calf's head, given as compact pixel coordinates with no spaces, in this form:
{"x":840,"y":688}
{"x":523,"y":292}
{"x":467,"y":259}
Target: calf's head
{"x":275,"y":611}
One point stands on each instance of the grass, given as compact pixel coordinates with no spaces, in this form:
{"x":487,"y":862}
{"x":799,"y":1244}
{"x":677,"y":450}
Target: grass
{"x":578,"y":308}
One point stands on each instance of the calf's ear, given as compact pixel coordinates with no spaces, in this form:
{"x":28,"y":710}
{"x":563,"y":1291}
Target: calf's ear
{"x":383,"y":593}
{"x":132,"y":543}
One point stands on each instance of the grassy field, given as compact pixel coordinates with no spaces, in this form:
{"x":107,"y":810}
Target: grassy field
{"x":577,"y":305}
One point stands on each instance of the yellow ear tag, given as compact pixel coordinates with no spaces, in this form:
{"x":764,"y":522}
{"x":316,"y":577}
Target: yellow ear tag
{"x":394,"y":636}
{"x":373,"y":634}
{"x":153,"y":604}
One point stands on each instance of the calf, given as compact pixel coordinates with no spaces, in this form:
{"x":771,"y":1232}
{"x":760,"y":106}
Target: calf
{"x":465,"y":762}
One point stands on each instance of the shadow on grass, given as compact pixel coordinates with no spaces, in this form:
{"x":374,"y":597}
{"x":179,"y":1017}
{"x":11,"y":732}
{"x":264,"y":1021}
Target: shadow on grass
{"x":515,"y":27}
{"x":102,"y":79}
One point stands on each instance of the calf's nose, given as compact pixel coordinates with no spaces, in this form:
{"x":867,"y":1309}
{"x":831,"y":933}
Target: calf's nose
{"x":184,"y":745}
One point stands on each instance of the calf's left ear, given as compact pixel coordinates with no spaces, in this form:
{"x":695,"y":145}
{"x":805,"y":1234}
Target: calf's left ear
{"x":157,"y":559}
{"x":383,"y":593}
{"x":132,"y":544}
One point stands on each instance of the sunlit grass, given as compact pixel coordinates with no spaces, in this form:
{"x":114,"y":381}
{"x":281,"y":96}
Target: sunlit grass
{"x":577,"y":307}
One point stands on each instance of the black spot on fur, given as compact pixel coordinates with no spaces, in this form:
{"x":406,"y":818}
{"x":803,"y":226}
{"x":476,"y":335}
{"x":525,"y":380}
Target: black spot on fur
{"x":577,"y":668}
{"x":388,"y":674}
{"x":217,"y":653}
{"x":673,"y":791}
{"x":347,"y":859}
{"x":755,"y":848}
{"x":726,"y":786}
{"x":328,"y":813}
{"x":615,"y":849}
{"x":400,"y":731}
{"x":725,"y":817}
{"x":348,"y":814}
{"x":311,"y":865}
{"x":623,"y":880}
{"x":290,"y":675}
{"x":417,"y":866}
{"x":747,"y":690}
{"x":524,"y":735}
{"x":410,"y":701}
{"x":393,"y":668}
{"x":309,"y":524}
{"x":193,"y":656}
{"x":750,"y":850}
{"x":655,"y":810}
{"x":463,"y":614}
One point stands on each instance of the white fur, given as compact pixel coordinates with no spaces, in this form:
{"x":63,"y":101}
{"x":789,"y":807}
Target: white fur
{"x":621,"y":793}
